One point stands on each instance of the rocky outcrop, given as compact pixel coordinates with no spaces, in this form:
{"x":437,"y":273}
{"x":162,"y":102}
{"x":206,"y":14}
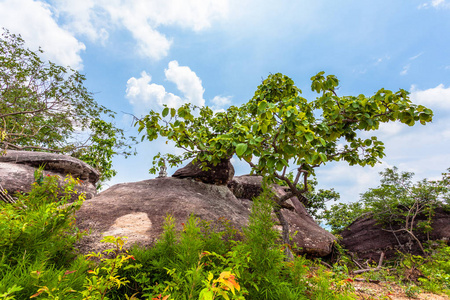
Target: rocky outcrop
{"x":246,"y":186}
{"x":308,"y":235}
{"x":220,"y":174}
{"x":137,"y":210}
{"x":17,"y":170}
{"x":368,"y":239}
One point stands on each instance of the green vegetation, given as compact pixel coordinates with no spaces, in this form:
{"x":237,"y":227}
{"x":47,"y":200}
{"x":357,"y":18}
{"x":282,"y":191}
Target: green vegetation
{"x":198,"y":262}
{"x":45,"y":107}
{"x":396,"y":201}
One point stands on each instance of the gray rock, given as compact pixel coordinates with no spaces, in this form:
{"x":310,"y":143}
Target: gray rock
{"x":367,"y":239}
{"x":246,"y":186}
{"x":220,"y":174}
{"x":17,"y":170}
{"x":137,"y":209}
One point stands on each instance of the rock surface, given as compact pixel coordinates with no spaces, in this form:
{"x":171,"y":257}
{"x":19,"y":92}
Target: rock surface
{"x":367,"y":239}
{"x":17,"y":170}
{"x":312,"y":238}
{"x":222,"y":173}
{"x":137,"y":210}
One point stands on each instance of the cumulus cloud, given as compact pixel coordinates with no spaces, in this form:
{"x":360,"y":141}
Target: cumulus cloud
{"x":437,"y":98}
{"x":34,"y":21}
{"x":187,"y":83}
{"x":391,"y":128}
{"x":144,"y":95}
{"x":142,"y":18}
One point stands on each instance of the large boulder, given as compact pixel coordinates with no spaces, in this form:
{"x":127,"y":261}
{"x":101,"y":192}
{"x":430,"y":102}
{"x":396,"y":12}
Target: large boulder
{"x":221,"y":174}
{"x":309,"y":236}
{"x":366,"y":238}
{"x":17,"y":170}
{"x":137,"y":210}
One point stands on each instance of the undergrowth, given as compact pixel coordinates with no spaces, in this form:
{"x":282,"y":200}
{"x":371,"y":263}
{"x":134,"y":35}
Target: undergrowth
{"x":204,"y":260}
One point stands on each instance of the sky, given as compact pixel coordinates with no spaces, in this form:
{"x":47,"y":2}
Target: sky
{"x":140,"y":54}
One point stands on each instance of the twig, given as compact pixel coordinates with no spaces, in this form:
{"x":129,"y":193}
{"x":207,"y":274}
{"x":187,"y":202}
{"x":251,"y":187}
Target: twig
{"x":326,"y":264}
{"x":378,"y":268}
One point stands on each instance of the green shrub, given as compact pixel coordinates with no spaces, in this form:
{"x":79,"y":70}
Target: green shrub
{"x":37,"y":234}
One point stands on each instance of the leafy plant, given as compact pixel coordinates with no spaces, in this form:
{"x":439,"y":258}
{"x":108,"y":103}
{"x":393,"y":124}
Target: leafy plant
{"x":105,"y":276}
{"x":37,"y":234}
{"x":46,"y":107}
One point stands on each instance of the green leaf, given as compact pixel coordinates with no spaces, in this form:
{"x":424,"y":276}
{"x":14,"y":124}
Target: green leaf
{"x":262,"y":106}
{"x":240,"y":149}
{"x":290,"y":149}
{"x":309,"y":136}
{"x":165,"y":112}
{"x":271,"y":162}
{"x":323,"y":157}
{"x":263,"y":128}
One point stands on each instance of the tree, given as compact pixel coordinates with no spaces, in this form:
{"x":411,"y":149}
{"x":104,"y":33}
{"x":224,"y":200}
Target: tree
{"x":397,"y":202}
{"x":45,"y":107}
{"x":278,"y":130}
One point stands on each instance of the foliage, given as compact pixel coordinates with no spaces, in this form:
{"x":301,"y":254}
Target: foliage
{"x":436,"y":271}
{"x":262,"y":247}
{"x":36,"y":238}
{"x":45,"y":107}
{"x":195,"y":262}
{"x":317,"y":198}
{"x":340,"y":216}
{"x":397,"y":200}
{"x":278,"y":129}
{"x":220,"y":286}
{"x":105,"y":277}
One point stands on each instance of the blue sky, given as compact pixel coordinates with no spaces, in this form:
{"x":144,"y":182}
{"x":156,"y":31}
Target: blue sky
{"x":140,"y":54}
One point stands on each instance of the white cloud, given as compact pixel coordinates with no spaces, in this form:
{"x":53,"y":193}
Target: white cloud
{"x":142,"y":18}
{"x":434,"y":98}
{"x":405,"y":70}
{"x":349,"y":181}
{"x":391,"y":128}
{"x":187,"y":83}
{"x":35,"y":22}
{"x":221,"y":101}
{"x":83,"y":19}
{"x":435,"y":4}
{"x":144,"y":95}
{"x":416,"y":56}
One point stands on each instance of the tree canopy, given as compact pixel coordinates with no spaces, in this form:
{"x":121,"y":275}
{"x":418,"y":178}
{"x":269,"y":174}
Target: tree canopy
{"x":46,"y":107}
{"x":278,"y":129}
